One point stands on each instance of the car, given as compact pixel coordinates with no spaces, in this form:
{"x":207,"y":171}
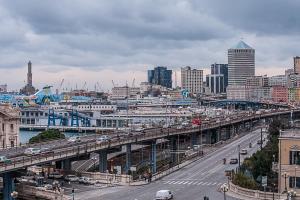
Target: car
{"x":163,"y":195}
{"x":81,"y":180}
{"x":55,"y":175}
{"x":179,"y":127}
{"x":48,"y":187}
{"x":259,"y":142}
{"x":89,"y":181}
{"x":103,"y":138}
{"x":32,"y":151}
{"x":185,"y":124}
{"x":4,"y":159}
{"x":74,"y":139}
{"x":46,"y":150}
{"x":233,"y":161}
{"x":244,"y":151}
{"x":71,"y":178}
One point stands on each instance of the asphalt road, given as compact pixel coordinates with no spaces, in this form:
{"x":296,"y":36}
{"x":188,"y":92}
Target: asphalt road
{"x":194,"y":181}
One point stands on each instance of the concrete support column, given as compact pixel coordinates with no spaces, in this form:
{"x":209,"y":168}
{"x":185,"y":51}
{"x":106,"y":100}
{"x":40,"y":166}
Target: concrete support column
{"x":194,"y":139}
{"x":103,"y":161}
{"x":8,"y":186}
{"x":153,"y":157}
{"x":208,"y":137}
{"x":173,"y":148}
{"x":66,"y":165}
{"x":128,"y":158}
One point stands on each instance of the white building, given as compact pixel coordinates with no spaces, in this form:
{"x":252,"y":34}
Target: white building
{"x":241,"y":63}
{"x":238,"y":92}
{"x":279,"y":80}
{"x":125,"y":91}
{"x":9,"y":126}
{"x":192,"y":80}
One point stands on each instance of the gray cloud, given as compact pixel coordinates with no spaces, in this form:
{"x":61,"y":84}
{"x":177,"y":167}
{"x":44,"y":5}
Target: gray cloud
{"x":121,"y":35}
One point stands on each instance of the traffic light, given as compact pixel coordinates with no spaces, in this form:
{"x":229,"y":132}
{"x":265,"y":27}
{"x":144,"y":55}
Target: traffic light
{"x":206,"y":198}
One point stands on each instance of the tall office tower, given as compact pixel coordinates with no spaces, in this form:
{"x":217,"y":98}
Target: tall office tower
{"x":29,"y":74}
{"x":220,"y":70}
{"x":241,"y":64}
{"x":160,"y":76}
{"x":192,"y":80}
{"x":297,"y":64}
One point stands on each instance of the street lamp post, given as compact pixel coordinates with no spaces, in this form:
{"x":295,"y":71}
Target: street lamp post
{"x":224,"y":189}
{"x":295,"y":181}
{"x":239,"y":156}
{"x":285,"y":175}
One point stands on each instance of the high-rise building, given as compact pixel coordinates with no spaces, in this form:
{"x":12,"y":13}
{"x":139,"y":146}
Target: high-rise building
{"x":220,"y":69}
{"x":217,"y":81}
{"x":192,"y":80}
{"x":241,"y":63}
{"x":297,"y":64}
{"x":160,"y":76}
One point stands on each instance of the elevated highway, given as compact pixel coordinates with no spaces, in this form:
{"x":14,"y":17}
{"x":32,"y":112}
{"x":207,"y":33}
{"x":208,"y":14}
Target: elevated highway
{"x":64,"y":151}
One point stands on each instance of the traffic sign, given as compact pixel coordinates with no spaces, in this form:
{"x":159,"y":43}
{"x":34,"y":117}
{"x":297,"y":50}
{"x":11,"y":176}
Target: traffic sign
{"x":264,"y":181}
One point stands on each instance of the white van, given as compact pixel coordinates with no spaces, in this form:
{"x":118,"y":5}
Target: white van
{"x":163,"y":195}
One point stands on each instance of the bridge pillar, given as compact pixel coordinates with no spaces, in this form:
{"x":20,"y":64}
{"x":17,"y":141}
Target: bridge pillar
{"x":128,"y":158}
{"x":194,"y":139}
{"x":153,"y":157}
{"x":174,"y":147}
{"x":103,"y":161}
{"x":208,"y":137}
{"x":66,"y":164}
{"x":8,"y":186}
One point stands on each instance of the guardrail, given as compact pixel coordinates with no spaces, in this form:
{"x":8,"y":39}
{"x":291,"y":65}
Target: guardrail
{"x":254,"y":194}
{"x":92,"y":146}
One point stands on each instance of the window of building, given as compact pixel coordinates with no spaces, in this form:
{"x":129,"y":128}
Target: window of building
{"x":292,"y":182}
{"x":294,"y":157}
{"x":12,"y":127}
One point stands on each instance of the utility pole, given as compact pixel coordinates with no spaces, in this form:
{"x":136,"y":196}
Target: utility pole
{"x":261,"y":139}
{"x":239,"y":157}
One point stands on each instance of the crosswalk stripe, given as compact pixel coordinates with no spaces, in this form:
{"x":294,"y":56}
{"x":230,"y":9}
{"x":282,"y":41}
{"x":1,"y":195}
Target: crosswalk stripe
{"x":214,"y":183}
{"x":200,"y":183}
{"x":189,"y":183}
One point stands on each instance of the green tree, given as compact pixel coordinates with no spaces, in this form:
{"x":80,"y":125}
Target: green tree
{"x":47,"y":135}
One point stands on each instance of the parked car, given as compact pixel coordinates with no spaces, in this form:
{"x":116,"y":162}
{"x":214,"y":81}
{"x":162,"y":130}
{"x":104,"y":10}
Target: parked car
{"x":74,"y":139}
{"x":55,"y":175}
{"x":48,"y":187}
{"x":163,"y":195}
{"x":71,"y":178}
{"x":81,"y":180}
{"x":5,"y":160}
{"x":244,"y":151}
{"x":233,"y":161}
{"x":32,"y":151}
{"x":103,"y":138}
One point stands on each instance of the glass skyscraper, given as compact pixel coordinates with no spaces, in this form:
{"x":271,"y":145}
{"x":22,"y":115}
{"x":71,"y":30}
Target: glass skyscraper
{"x":160,"y":76}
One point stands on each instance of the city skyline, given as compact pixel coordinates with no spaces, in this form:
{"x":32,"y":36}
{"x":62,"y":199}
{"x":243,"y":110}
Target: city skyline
{"x":116,"y":40}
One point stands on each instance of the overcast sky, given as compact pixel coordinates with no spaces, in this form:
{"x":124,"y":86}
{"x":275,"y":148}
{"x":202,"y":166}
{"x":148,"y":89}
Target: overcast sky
{"x":101,"y":40}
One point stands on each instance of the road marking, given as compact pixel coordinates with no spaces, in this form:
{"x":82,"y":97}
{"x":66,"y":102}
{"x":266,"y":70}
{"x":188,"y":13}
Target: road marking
{"x":200,"y":183}
{"x":214,"y":183}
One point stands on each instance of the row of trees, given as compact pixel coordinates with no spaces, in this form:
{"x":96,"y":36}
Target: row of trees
{"x":260,"y":164}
